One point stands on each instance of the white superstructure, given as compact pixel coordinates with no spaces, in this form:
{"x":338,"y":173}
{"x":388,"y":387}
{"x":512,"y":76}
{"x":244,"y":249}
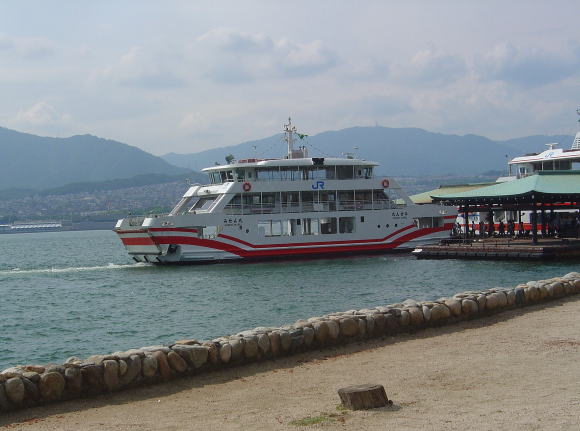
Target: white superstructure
{"x":295,"y":206}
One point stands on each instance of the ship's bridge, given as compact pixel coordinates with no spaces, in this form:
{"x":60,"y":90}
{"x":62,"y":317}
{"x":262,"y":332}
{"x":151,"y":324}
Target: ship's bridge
{"x":552,"y":159}
{"x":315,"y":168}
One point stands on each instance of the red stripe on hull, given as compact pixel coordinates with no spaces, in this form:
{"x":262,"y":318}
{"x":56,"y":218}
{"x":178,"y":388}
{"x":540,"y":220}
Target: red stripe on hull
{"x":217,"y":245}
{"x":172,"y":229}
{"x":138,"y":241}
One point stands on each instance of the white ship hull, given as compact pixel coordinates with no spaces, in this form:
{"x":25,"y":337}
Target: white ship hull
{"x":186,"y":244}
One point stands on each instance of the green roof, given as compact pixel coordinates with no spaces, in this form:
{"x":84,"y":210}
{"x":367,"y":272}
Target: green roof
{"x":425,"y":197}
{"x":551,"y":185}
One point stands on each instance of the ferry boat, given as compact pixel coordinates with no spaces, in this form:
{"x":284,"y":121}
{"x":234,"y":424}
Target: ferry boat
{"x":295,"y":206}
{"x":39,"y":226}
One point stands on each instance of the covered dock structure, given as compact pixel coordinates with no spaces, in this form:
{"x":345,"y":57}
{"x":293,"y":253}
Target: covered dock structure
{"x":542,"y":192}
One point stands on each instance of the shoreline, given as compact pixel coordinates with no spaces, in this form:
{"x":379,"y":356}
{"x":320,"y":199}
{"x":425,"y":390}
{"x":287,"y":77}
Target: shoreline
{"x":28,"y":386}
{"x":510,"y":370}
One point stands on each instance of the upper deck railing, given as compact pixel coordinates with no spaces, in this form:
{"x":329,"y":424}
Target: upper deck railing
{"x":305,"y":207}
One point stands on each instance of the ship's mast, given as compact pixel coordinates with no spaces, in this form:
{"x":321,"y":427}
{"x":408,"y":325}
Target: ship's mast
{"x":289,"y":131}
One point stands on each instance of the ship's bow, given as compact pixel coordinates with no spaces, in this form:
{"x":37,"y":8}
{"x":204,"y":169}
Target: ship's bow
{"x":137,"y":239}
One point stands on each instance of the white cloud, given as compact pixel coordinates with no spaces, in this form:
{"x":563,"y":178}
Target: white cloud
{"x":27,"y":47}
{"x":431,"y":67}
{"x":42,"y":117}
{"x":145,"y":69}
{"x":233,"y":56}
{"x":230,"y":39}
{"x":40,"y":114}
{"x":528,"y":68}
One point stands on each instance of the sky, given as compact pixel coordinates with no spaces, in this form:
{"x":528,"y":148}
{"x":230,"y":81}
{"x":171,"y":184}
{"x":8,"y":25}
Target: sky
{"x":186,"y":76}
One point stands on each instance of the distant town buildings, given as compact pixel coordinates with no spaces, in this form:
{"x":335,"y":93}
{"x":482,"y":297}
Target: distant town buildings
{"x":95,"y":205}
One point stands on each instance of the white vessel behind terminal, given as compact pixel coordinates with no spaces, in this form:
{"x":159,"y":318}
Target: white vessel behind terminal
{"x":296,"y":206}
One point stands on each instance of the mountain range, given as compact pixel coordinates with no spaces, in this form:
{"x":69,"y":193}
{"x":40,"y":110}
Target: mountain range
{"x":399,"y":151}
{"x":33,"y":162}
{"x":39,"y":163}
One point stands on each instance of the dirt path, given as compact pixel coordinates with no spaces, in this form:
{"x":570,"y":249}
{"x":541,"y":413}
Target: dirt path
{"x":518,"y":370}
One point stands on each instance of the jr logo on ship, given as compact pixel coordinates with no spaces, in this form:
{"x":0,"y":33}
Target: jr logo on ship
{"x":318,"y":186}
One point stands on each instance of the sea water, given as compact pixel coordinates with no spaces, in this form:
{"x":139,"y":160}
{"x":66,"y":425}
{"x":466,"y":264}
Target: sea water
{"x":78,"y":293}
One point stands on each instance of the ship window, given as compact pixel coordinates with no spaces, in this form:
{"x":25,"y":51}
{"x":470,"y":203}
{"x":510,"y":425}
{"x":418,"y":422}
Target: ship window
{"x":240,"y":174}
{"x":364,"y":172}
{"x":182,"y":203}
{"x":209,"y":232}
{"x":309,"y":199}
{"x":328,"y":225}
{"x":330,"y":172}
{"x":395,"y":197}
{"x":234,"y":206}
{"x":363,"y":199}
{"x":291,"y":201}
{"x":294,"y":226}
{"x":271,"y":202}
{"x":380,"y":200}
{"x":346,"y":200}
{"x":290,"y":174}
{"x":428,"y":222}
{"x":317,"y":173}
{"x":345,"y":172}
{"x":310,"y":226}
{"x":346,"y":224}
{"x":268,"y":174}
{"x":265,"y":228}
{"x":272,"y":227}
{"x":328,"y":201}
{"x":215,"y":178}
{"x":203,"y":203}
{"x":276,"y":228}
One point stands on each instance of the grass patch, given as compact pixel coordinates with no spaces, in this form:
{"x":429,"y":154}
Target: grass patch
{"x":341,"y":408}
{"x":310,"y":420}
{"x":340,"y":416}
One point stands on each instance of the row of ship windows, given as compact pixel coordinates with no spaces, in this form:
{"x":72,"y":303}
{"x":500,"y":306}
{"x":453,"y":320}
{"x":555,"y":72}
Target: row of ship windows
{"x":312,"y":226}
{"x":292,"y":174}
{"x":307,"y":226}
{"x":303,"y":201}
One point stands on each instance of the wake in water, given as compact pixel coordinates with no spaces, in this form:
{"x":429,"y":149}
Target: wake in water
{"x":74,"y":269}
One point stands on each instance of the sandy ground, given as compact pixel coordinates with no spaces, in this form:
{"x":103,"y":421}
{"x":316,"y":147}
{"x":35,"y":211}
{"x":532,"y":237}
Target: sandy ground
{"x":519,"y":370}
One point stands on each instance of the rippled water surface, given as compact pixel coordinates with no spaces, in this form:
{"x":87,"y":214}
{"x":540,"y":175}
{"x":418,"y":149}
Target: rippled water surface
{"x":78,"y":293}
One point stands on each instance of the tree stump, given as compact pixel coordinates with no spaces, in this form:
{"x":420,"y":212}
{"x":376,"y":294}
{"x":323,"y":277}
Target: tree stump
{"x":363,"y":397}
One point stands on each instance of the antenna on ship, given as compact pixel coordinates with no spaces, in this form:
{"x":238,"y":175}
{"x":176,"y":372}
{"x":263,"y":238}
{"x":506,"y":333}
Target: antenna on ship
{"x":576,"y":144}
{"x":289,"y":131}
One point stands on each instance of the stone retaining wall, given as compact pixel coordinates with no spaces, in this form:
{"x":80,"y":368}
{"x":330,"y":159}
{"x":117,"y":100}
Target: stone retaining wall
{"x":32,"y":385}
